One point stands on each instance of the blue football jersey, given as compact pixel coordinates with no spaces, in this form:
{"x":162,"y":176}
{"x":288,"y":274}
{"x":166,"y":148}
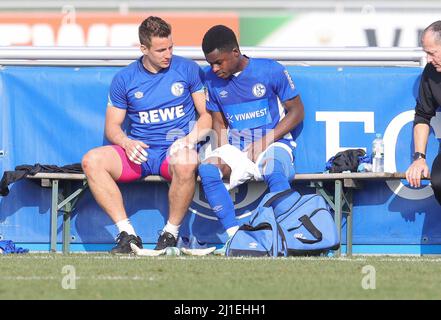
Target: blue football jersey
{"x":249,"y":100}
{"x":159,"y":105}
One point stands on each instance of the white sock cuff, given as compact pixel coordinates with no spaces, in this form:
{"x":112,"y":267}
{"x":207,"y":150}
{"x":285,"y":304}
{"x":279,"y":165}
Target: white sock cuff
{"x":172,"y":228}
{"x":125,"y":225}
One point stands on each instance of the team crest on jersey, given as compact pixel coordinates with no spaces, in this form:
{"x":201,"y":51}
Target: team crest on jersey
{"x":177,"y":89}
{"x":139,"y":94}
{"x":259,"y":90}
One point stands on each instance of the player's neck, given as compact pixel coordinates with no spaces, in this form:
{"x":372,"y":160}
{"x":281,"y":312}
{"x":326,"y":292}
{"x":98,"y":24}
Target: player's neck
{"x":243,"y":62}
{"x":150,"y":67}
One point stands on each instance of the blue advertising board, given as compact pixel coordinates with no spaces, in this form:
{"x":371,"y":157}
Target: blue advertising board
{"x":54,"y":115}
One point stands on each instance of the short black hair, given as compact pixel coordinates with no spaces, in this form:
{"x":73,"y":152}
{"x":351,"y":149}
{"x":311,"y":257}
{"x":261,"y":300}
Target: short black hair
{"x":435,"y":27}
{"x":219,"y":37}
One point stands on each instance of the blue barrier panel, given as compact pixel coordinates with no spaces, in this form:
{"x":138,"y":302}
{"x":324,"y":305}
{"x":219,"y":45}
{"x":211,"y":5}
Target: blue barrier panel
{"x":53,"y":115}
{"x":344,"y":108}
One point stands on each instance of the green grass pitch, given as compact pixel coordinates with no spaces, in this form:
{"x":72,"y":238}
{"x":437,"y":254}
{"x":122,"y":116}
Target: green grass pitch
{"x":102,"y":276}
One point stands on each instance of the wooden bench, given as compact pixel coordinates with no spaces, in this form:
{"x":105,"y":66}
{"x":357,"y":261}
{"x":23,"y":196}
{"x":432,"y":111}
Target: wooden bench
{"x":336,"y":188}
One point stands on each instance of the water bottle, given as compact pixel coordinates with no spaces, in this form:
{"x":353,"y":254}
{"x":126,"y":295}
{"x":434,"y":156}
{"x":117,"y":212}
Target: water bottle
{"x":378,"y":154}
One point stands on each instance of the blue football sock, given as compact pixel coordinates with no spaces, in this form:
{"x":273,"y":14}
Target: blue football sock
{"x":217,"y":195}
{"x":275,"y":177}
{"x":278,"y":172}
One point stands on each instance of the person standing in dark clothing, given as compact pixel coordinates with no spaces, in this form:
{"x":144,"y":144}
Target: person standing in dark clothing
{"x":429,"y":99}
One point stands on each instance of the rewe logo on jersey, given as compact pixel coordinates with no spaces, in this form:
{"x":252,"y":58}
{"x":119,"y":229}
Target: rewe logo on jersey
{"x":161,"y":115}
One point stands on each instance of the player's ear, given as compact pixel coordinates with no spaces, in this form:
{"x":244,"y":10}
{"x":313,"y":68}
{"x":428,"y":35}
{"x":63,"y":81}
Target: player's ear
{"x":236,"y":51}
{"x":143,"y":48}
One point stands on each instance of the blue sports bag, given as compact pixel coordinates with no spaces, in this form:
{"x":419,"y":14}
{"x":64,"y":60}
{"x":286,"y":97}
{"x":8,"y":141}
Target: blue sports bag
{"x":297,"y":225}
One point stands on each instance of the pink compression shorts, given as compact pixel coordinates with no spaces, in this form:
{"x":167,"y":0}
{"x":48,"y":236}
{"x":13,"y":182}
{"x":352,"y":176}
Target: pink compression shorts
{"x":132,"y":171}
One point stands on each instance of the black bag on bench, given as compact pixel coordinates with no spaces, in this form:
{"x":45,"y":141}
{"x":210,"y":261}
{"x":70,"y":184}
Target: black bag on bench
{"x":347,"y":160}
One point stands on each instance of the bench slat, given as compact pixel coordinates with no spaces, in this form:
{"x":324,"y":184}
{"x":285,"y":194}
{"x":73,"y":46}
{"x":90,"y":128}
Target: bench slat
{"x":298,"y":177}
{"x":58,"y":176}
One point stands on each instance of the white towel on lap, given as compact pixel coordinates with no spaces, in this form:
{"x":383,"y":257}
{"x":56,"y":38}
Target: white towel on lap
{"x":242,"y":168}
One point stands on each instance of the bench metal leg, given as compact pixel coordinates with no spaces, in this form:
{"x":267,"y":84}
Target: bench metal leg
{"x":349,"y":217}
{"x":54,"y":214}
{"x":324,"y":193}
{"x":65,"y":199}
{"x":341,"y":199}
{"x":338,"y":211}
{"x":66,"y":220}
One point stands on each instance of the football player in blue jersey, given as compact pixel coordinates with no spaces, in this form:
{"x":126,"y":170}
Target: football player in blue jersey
{"x":163,"y":96}
{"x":254,"y":131}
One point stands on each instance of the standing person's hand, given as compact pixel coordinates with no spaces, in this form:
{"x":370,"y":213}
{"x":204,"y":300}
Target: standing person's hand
{"x":416,"y":170}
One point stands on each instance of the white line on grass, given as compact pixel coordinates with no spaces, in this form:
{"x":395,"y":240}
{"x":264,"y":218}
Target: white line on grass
{"x":100,"y":278}
{"x":79,"y":257}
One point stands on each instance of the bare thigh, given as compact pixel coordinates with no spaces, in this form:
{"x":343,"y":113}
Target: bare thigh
{"x":106,"y":158}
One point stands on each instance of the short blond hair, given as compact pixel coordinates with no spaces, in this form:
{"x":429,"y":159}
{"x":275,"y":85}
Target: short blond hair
{"x":153,"y":27}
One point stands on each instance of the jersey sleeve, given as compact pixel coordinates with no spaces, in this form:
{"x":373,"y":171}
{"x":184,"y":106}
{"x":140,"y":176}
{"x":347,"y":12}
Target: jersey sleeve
{"x":283,"y":85}
{"x":426,"y":105}
{"x":210,"y":99}
{"x":195,"y":77}
{"x":117,"y":93}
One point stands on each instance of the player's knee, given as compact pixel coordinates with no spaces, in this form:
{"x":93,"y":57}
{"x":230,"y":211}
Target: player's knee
{"x":280,"y":162}
{"x":91,"y":161}
{"x":209,"y":173}
{"x":184,"y":171}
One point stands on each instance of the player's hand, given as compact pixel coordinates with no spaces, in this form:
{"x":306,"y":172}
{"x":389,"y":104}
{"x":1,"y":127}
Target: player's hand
{"x":254,"y":149}
{"x":417,"y":169}
{"x":135,"y":151}
{"x":180,"y":144}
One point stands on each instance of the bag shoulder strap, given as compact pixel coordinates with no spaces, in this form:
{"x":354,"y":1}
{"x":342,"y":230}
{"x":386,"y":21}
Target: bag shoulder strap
{"x":276,"y":196}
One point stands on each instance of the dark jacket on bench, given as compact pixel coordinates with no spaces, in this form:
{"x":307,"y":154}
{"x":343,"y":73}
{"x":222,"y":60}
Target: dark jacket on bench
{"x":25,"y":170}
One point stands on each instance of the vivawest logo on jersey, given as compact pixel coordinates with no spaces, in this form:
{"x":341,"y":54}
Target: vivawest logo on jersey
{"x":246,"y":197}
